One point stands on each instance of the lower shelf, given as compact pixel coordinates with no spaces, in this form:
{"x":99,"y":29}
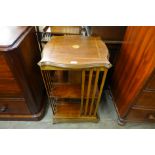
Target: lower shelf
{"x":70,"y":91}
{"x":70,"y":112}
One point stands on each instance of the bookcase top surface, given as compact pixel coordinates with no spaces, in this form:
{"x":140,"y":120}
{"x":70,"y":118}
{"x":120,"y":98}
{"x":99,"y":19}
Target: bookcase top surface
{"x":75,"y":52}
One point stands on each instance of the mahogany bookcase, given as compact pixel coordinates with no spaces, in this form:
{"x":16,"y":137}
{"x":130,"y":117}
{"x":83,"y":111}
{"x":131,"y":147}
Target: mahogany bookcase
{"x":71,"y":67}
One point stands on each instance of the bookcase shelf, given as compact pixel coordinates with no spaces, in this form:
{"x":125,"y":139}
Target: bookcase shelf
{"x":66,"y":90}
{"x":70,"y":112}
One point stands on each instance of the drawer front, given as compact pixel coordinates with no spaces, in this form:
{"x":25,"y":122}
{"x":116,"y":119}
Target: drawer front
{"x":146,"y":100}
{"x":9,"y":88}
{"x":13,"y":106}
{"x":137,"y":114}
{"x":151,"y":83}
{"x":5,"y":71}
{"x":8,"y":85}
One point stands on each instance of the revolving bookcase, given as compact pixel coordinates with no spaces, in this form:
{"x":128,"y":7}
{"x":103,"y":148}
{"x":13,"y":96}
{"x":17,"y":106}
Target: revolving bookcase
{"x":71,"y":67}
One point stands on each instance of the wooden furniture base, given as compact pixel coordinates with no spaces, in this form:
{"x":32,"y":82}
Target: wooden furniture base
{"x":69,"y":112}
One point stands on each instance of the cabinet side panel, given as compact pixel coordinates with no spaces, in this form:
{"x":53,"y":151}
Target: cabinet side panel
{"x":30,"y":54}
{"x":134,"y":66}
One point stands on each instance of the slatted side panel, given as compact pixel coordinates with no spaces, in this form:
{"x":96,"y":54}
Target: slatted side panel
{"x":100,"y":92}
{"x":94,"y":92}
{"x":48,"y":82}
{"x":90,"y":93}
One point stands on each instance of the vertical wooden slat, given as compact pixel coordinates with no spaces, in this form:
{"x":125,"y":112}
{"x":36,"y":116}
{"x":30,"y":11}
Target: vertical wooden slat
{"x":52,"y":77}
{"x":47,"y":88}
{"x":100,"y":91}
{"x":44,"y":79}
{"x":50,"y":82}
{"x":88,"y":90}
{"x":47,"y":82}
{"x":94,"y":91}
{"x":52,"y":102}
{"x":82,"y":91}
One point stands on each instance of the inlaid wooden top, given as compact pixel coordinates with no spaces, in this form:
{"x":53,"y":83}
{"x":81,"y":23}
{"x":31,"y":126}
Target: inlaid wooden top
{"x":75,"y":52}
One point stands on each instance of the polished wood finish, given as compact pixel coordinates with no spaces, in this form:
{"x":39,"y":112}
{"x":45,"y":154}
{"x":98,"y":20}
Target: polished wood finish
{"x":23,"y":117}
{"x":68,"y":112}
{"x":73,"y":91}
{"x":74,"y":99}
{"x":13,"y":106}
{"x":141,"y":114}
{"x":132,"y":79}
{"x":9,"y":88}
{"x":4,"y":69}
{"x":151,"y":84}
{"x":84,"y":52}
{"x":21,"y":85}
{"x":146,"y":100}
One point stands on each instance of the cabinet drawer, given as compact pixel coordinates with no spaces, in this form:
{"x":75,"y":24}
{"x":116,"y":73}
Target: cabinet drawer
{"x":13,"y":106}
{"x":138,"y":114}
{"x":9,"y":88}
{"x":151,"y":83}
{"x":5,"y":71}
{"x":146,"y":100}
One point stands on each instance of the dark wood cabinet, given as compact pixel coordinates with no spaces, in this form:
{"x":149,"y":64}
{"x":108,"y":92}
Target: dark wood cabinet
{"x":109,"y":34}
{"x":21,"y":87}
{"x":133,"y":82}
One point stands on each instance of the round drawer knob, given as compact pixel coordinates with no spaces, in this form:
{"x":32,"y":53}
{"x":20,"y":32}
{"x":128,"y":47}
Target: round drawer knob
{"x":3,"y":109}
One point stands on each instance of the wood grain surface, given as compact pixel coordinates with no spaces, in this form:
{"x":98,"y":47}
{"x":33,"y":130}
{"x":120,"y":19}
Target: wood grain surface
{"x":135,"y":65}
{"x":75,"y":52}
